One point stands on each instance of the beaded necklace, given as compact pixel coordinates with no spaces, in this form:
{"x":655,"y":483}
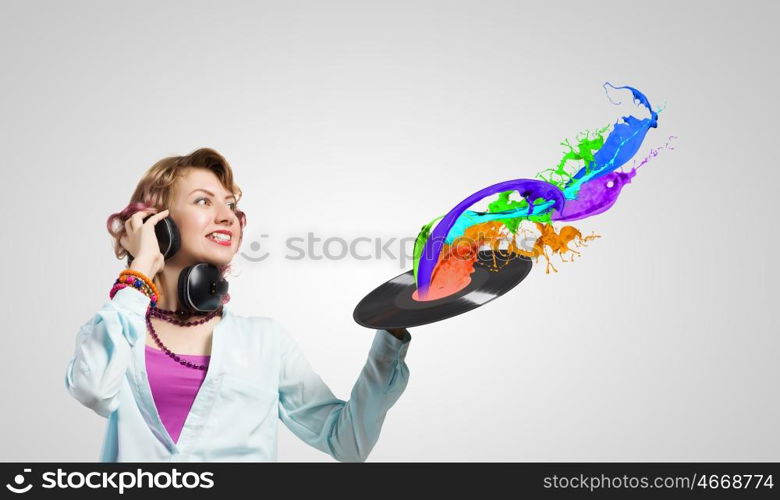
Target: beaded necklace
{"x":177,"y":318}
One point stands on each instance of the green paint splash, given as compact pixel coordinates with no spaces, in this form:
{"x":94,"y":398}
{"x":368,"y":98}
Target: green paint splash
{"x":419,"y":243}
{"x":583,"y":152}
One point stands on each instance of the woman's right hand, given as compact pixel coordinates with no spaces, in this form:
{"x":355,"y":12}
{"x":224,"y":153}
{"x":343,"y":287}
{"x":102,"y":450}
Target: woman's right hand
{"x":141,"y":242}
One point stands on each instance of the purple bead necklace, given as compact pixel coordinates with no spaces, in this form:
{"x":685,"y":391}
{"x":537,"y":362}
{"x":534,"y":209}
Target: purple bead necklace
{"x":177,"y":318}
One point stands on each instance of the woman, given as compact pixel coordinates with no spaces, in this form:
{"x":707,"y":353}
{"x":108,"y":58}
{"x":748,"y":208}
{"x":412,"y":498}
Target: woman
{"x":182,"y":386}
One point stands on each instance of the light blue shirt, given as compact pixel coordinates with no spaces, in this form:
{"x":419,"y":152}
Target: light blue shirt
{"x":257,"y":373}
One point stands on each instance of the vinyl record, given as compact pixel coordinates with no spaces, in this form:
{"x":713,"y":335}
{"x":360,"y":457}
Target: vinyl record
{"x":391,"y":305}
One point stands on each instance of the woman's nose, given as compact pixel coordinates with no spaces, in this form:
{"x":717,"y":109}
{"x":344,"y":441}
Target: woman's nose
{"x":225,"y":214}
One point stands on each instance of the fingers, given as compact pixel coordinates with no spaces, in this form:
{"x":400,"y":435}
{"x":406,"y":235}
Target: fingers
{"x":136,"y":220}
{"x":154,"y":219}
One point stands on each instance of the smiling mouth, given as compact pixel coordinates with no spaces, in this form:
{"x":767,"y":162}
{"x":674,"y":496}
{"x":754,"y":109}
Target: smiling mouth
{"x":220,"y":239}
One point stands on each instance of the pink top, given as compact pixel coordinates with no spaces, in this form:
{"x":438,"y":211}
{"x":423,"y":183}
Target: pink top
{"x":174,"y":387}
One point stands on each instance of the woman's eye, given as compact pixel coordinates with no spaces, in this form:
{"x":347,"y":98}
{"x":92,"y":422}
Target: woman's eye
{"x":233,"y":205}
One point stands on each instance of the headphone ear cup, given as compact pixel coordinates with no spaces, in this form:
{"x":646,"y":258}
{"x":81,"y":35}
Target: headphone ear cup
{"x":168,"y":237}
{"x":184,"y":296}
{"x":201,"y":287}
{"x":175,"y":237}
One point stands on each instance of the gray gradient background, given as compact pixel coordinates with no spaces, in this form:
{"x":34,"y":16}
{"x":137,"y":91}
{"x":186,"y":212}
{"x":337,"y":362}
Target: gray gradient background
{"x":660,"y":343}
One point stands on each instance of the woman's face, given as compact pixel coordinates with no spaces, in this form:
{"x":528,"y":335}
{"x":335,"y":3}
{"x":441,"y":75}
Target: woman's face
{"x":200,"y":207}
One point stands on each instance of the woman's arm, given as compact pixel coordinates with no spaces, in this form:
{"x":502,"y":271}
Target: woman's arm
{"x":346,"y":430}
{"x":103,"y":351}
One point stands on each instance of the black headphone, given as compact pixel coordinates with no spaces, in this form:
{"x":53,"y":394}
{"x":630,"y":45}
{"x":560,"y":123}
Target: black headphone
{"x":201,"y":286}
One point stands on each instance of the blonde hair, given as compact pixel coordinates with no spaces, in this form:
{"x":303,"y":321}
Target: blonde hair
{"x":155,"y":189}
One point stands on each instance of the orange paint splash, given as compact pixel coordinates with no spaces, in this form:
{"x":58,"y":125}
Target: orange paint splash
{"x":456,"y":261}
{"x":558,"y":243}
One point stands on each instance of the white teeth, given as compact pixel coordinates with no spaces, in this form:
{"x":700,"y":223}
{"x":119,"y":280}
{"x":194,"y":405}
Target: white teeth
{"x":219,"y":236}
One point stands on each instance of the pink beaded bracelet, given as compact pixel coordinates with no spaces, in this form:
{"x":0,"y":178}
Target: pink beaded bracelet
{"x":138,"y":284}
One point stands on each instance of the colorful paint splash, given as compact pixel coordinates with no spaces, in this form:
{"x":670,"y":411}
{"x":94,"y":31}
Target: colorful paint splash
{"x":584,"y":183}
